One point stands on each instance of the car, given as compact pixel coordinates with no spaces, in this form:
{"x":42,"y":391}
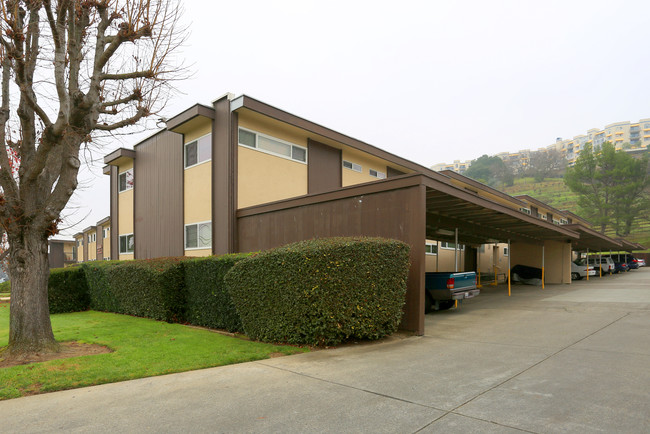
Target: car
{"x":621,"y":267}
{"x":641,"y":262}
{"x":604,"y":262}
{"x":580,"y":270}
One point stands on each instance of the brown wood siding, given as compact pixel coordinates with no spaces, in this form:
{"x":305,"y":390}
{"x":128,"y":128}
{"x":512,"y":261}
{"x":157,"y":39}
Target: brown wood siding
{"x":158,"y":198}
{"x":115,"y":217}
{"x":56,"y":256}
{"x":99,"y":245}
{"x":324,"y":167}
{"x":224,"y":178}
{"x":393,"y":172}
{"x":398,"y":214}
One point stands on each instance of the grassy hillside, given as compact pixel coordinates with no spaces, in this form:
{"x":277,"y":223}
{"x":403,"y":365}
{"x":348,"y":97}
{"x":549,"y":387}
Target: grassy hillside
{"x":555,"y":193}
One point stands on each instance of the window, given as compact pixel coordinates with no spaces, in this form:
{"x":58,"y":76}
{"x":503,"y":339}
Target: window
{"x":525,"y":210}
{"x":125,"y":180}
{"x":377,"y":174}
{"x":352,"y":166}
{"x":450,"y":245}
{"x":92,"y":238}
{"x":271,"y":145}
{"x":564,"y":221}
{"x":505,"y":251}
{"x":127,"y":243}
{"x":198,"y":151}
{"x":198,"y":235}
{"x":430,"y":249}
{"x":105,"y":232}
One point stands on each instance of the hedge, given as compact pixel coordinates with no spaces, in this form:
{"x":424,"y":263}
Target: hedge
{"x":322,"y":292}
{"x":5,"y":286}
{"x":67,"y":290}
{"x":208,"y":301}
{"x":151,"y":288}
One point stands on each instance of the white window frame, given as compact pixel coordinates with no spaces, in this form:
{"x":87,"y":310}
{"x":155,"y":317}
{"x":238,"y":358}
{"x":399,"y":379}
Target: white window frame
{"x":377,"y":174}
{"x":198,"y":162}
{"x":434,"y":249}
{"x":197,"y":235}
{"x":127,"y":252}
{"x":506,"y":252}
{"x":275,"y":154}
{"x":525,"y":210}
{"x":353,"y":166}
{"x":104,"y":232}
{"x":128,"y":187}
{"x":445,"y":245}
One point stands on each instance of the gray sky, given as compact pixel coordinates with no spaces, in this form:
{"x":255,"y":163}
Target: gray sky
{"x":431,"y":81}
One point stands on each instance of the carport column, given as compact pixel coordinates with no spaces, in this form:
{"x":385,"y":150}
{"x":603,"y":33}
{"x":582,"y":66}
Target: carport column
{"x":437,"y":255}
{"x":600,"y":263}
{"x":508,"y":267}
{"x":495,"y":256}
{"x":587,"y":261}
{"x":478,"y":267}
{"x":456,"y":250}
{"x":543,"y":266}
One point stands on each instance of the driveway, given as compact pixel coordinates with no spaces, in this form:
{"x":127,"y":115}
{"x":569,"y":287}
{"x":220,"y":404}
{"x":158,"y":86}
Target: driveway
{"x":569,"y":358}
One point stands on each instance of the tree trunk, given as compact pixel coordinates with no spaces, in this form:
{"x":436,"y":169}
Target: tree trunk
{"x":30,"y":326}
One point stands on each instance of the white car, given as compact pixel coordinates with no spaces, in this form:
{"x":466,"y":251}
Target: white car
{"x":578,"y":271}
{"x":641,"y":262}
{"x":605,"y":262}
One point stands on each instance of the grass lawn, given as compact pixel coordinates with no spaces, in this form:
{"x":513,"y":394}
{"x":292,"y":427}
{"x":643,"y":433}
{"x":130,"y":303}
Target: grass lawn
{"x":141,"y":348}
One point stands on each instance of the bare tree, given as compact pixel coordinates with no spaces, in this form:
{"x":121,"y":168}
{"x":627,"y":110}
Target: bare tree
{"x":71,"y":70}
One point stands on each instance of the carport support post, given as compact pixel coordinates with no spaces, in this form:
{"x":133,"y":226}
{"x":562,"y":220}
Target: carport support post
{"x":456,"y":250}
{"x":542,"y":267}
{"x":600,"y":263}
{"x":437,"y":255}
{"x":587,"y":261}
{"x":508,"y":268}
{"x":478,"y":267}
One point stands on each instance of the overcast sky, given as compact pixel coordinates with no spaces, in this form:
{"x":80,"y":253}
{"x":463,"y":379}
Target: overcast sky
{"x":431,"y":81}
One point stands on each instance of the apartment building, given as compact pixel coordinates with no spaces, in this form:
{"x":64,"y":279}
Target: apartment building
{"x":457,"y":166}
{"x":242,"y":175}
{"x":93,"y":243}
{"x":62,"y":253}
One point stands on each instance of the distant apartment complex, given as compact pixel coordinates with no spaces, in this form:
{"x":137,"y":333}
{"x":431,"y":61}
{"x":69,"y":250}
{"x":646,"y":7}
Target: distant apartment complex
{"x":628,"y":136}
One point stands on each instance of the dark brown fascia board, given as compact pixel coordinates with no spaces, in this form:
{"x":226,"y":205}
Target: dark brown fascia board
{"x":245,"y":101}
{"x":540,"y":203}
{"x":576,"y":216}
{"x":629,"y":246}
{"x":90,"y":228}
{"x":594,"y":234}
{"x":104,"y":220}
{"x":119,"y":153}
{"x":481,"y":186}
{"x":106,"y":170}
{"x":61,"y":241}
{"x":403,"y":181}
{"x":189,"y":114}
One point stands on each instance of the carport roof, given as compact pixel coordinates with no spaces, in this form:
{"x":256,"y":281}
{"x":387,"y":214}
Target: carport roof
{"x":593,"y":240}
{"x":630,"y":246}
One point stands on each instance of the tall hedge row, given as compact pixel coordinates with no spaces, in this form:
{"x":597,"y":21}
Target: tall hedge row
{"x":208,"y":301}
{"x":322,"y":291}
{"x":67,"y":290}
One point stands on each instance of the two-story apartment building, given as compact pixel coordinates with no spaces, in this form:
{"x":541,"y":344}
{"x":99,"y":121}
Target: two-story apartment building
{"x":93,"y":243}
{"x":242,"y":175}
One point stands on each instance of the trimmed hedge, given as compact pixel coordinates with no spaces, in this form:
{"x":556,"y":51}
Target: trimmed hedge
{"x":208,"y":300}
{"x":67,"y":290}
{"x":5,"y":287}
{"x":323,"y":291}
{"x":151,"y":288}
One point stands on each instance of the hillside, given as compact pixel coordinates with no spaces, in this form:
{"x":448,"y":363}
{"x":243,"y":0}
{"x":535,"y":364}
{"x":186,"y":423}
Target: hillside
{"x":555,"y":193}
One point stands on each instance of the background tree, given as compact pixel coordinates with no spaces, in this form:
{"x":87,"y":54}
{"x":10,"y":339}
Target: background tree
{"x":491,"y":171}
{"x":546,"y":163}
{"x":610,"y":185}
{"x":71,"y":69}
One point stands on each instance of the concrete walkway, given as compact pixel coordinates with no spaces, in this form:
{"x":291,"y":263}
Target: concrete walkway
{"x":570,"y":358}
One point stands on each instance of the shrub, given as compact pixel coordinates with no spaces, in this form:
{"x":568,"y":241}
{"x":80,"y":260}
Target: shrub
{"x":208,"y":301}
{"x":5,"y":287}
{"x":322,"y":291}
{"x":67,"y":290}
{"x":150,"y":288}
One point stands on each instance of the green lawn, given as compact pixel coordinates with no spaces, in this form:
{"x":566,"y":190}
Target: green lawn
{"x":141,"y":348}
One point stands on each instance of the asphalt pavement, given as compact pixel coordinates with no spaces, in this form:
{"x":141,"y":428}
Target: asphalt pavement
{"x":567,"y":358}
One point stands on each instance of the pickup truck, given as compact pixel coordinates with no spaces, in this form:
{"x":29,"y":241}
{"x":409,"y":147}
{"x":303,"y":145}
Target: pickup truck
{"x":444,"y":288}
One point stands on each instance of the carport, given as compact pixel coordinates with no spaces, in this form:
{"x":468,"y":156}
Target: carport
{"x":593,"y":241}
{"x":410,"y":208}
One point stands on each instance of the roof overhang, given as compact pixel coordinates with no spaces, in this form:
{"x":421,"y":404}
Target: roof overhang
{"x":119,"y":156}
{"x":629,"y":246}
{"x":90,"y":228}
{"x":185,"y":121}
{"x":593,"y":240}
{"x":104,"y":220}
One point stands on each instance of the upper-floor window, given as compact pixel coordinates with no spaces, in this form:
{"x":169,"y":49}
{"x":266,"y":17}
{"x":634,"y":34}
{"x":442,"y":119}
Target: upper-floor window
{"x":105,"y":232}
{"x":450,"y":245}
{"x":125,"y":180}
{"x":377,"y":174}
{"x":525,"y":210}
{"x":352,"y":166}
{"x":92,"y":237}
{"x":198,"y":151}
{"x":272,"y":145}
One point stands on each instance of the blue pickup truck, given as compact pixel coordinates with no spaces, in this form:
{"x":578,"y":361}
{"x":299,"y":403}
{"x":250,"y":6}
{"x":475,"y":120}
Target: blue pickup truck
{"x":444,"y":288}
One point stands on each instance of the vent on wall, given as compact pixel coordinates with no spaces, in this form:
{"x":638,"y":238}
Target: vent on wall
{"x":352,"y":166}
{"x":377,"y":174}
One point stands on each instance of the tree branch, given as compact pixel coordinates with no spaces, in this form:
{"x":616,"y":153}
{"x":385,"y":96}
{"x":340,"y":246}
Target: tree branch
{"x":127,"y":75}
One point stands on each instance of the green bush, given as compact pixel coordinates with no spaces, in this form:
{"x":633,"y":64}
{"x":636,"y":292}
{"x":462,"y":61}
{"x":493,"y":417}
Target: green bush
{"x":208,"y":301}
{"x":5,"y":287}
{"x":67,"y":290}
{"x":323,"y":291}
{"x":100,"y":290}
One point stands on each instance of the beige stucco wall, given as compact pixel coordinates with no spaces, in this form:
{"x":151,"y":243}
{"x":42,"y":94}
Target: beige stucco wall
{"x":275,"y":129}
{"x":198,"y":252}
{"x":367,"y":162}
{"x":266,"y":178}
{"x":92,"y":249}
{"x":125,"y":210}
{"x":106,"y":242}
{"x":557,"y":258}
{"x":197,"y":193}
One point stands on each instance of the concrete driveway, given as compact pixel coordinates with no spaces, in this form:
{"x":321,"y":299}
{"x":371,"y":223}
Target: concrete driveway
{"x":570,"y":358}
